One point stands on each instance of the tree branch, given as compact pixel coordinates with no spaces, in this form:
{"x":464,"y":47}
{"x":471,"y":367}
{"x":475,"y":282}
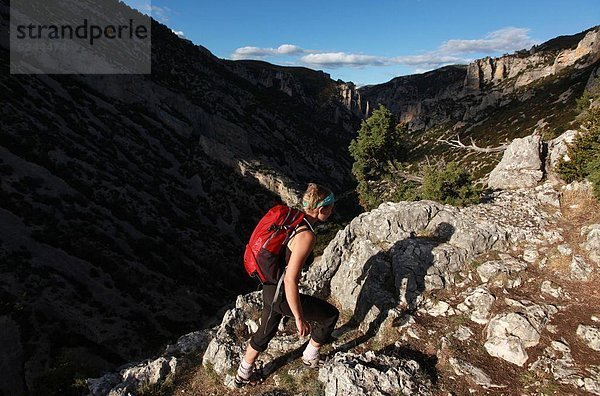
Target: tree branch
{"x":404,"y":175}
{"x":457,"y":143}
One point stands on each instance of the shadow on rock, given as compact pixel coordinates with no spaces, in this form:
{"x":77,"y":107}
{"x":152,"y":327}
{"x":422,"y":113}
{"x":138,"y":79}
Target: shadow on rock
{"x":426,"y":362}
{"x":394,"y":278}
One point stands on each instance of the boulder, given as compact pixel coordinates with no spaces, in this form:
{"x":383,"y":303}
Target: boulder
{"x":591,"y":336}
{"x":130,"y":379}
{"x":381,"y":260}
{"x":508,"y":335}
{"x":224,"y":350}
{"x":592,"y":242}
{"x":369,"y":374}
{"x":558,"y":146}
{"x":551,"y":288}
{"x":478,"y":376}
{"x":501,"y":273}
{"x":580,"y":269}
{"x":521,"y":165}
{"x":477,"y":304}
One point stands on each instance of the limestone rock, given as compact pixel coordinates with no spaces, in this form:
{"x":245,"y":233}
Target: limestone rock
{"x":549,"y":287}
{"x":197,"y":340}
{"x":530,"y":254}
{"x":558,"y":148}
{"x":369,"y":374}
{"x":592,"y":383}
{"x":438,"y":308}
{"x":557,"y":359}
{"x":103,"y":385}
{"x":509,"y":348}
{"x":463,"y":333}
{"x":150,"y":372}
{"x":508,"y":335}
{"x":592,"y":243}
{"x":579,"y":186}
{"x":478,"y":304}
{"x":131,"y":378}
{"x":479,"y":376}
{"x":224,"y":350}
{"x":501,"y":273}
{"x":580,"y":269}
{"x":564,"y":249}
{"x":591,"y":335}
{"x":521,"y":165}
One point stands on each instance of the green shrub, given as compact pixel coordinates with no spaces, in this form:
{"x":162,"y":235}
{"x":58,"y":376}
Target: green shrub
{"x":451,"y":185}
{"x":378,"y":152}
{"x":375,"y":150}
{"x":593,"y":169}
{"x":584,"y":153}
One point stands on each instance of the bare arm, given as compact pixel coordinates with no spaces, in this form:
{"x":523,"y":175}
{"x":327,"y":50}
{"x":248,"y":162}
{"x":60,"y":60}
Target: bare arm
{"x":303,"y":245}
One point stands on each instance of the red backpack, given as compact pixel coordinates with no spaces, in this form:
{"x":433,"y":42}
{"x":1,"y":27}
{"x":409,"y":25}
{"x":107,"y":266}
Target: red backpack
{"x":261,"y":258}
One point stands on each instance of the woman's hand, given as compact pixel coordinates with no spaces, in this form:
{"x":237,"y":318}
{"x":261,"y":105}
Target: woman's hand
{"x":303,"y":327}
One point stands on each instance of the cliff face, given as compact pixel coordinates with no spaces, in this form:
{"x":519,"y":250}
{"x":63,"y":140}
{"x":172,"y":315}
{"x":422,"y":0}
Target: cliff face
{"x":526,"y":67}
{"x":492,"y":100}
{"x":415,"y":98}
{"x":126,"y":200}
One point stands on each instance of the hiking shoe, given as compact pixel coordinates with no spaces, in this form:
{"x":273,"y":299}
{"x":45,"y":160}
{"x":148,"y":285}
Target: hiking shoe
{"x":314,"y":363}
{"x":254,"y":379}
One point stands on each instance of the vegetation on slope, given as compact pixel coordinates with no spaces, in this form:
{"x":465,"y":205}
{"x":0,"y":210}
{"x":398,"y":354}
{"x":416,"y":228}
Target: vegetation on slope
{"x":379,"y":151}
{"x":584,"y":153}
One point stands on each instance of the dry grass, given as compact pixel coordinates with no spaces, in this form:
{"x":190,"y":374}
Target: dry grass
{"x":559,"y":264}
{"x":580,"y":207}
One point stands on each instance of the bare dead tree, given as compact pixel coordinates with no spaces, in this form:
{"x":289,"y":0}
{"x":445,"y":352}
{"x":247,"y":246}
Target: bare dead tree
{"x":457,"y":143}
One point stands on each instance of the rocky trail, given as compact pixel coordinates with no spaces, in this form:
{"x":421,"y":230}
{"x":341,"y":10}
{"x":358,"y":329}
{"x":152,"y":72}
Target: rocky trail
{"x":498,"y":298}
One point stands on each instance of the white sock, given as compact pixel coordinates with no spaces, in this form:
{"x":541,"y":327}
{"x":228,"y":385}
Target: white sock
{"x":245,"y":369}
{"x":311,"y":352}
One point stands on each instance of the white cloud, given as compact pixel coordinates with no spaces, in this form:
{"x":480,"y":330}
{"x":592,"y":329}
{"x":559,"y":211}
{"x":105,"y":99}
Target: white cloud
{"x":450,"y":52}
{"x":257,"y":52}
{"x":289,"y":49}
{"x":504,"y":40}
{"x":178,"y":33}
{"x":337,"y":59}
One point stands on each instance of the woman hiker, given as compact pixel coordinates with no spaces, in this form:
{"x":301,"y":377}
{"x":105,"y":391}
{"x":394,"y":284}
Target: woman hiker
{"x":318,"y":203}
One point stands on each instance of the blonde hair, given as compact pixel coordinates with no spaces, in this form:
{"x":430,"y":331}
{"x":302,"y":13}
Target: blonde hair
{"x":313,"y":195}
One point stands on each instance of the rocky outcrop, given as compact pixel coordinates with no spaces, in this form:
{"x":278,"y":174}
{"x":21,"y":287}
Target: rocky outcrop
{"x":529,"y":66}
{"x":591,"y":234}
{"x":513,"y":96}
{"x":373,"y":374}
{"x":557,"y":359}
{"x":591,"y":336}
{"x":558,"y":148}
{"x":386,"y":272}
{"x":131,"y":378}
{"x":464,"y":368}
{"x":521,"y":165}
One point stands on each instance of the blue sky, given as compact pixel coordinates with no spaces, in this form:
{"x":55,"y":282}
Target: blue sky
{"x":370,"y":43}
